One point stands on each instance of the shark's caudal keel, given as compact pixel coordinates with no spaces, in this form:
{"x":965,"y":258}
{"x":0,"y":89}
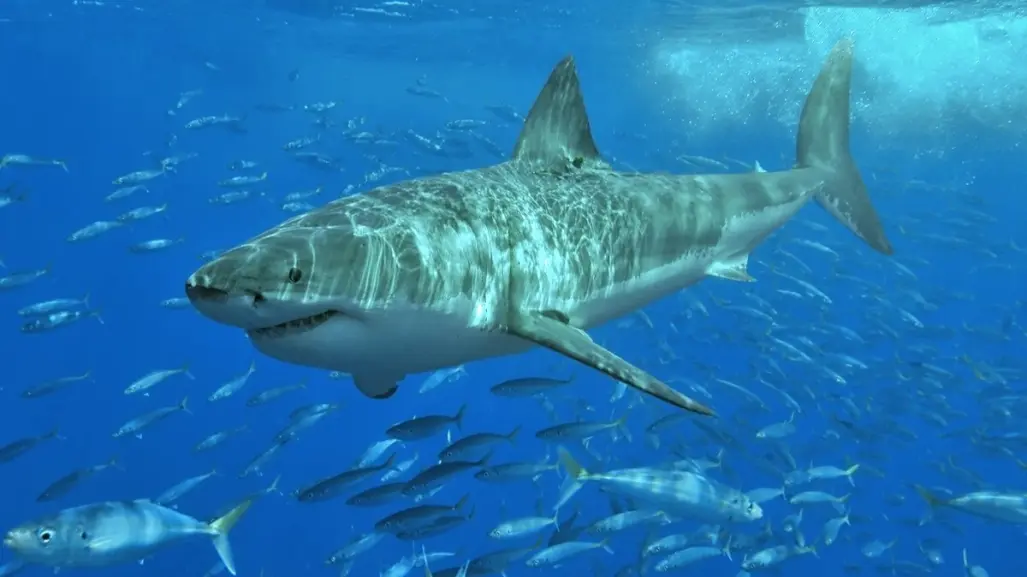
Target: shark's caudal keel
{"x":439,"y":271}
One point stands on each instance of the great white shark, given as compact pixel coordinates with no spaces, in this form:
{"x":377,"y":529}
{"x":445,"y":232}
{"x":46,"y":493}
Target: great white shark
{"x":439,"y":271}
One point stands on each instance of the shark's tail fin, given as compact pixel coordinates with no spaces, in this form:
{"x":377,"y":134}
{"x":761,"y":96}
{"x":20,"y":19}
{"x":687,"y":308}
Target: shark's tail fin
{"x":824,"y":143}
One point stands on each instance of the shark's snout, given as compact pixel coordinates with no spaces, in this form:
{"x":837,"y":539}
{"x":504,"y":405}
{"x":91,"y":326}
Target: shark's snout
{"x":230,"y":306}
{"x":198,"y":292}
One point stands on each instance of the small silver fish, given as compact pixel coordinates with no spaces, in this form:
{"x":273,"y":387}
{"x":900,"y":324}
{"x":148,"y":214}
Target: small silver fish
{"x":114,"y":532}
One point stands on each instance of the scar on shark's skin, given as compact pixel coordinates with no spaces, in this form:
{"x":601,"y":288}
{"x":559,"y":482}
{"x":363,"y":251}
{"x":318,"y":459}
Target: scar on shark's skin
{"x":440,"y":271}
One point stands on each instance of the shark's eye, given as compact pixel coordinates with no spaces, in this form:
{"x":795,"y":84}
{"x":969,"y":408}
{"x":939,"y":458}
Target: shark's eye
{"x":45,"y":535}
{"x":295,"y":275}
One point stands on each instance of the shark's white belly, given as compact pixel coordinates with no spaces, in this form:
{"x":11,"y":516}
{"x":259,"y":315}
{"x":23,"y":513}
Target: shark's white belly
{"x":625,"y":298}
{"x":395,"y":342}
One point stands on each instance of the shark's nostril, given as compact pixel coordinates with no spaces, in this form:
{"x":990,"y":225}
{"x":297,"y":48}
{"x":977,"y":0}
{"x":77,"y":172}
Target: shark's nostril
{"x":202,"y":293}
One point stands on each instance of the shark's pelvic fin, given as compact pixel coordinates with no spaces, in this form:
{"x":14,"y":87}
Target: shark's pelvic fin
{"x":557,"y":131}
{"x":736,"y":271}
{"x":551,"y":330}
{"x":376,"y":387}
{"x":823,"y":142}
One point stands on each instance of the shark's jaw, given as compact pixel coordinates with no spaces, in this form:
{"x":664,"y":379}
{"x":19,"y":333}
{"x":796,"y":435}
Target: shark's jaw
{"x":255,"y":313}
{"x":296,"y":326}
{"x":334,"y":335}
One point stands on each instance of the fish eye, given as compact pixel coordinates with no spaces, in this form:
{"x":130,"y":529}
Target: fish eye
{"x":84,"y":536}
{"x":295,"y":275}
{"x":45,"y":536}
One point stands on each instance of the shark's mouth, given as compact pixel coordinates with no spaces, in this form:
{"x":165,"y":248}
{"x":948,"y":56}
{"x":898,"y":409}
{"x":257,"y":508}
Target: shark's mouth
{"x":295,"y":326}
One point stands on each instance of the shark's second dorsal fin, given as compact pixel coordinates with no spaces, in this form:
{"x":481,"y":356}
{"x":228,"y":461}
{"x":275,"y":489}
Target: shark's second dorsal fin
{"x":557,"y":129}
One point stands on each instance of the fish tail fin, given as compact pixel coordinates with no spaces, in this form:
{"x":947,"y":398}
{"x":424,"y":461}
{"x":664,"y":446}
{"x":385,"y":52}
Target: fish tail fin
{"x":221,"y":526}
{"x":622,"y":427}
{"x":185,"y":371}
{"x":605,"y":545}
{"x":273,"y":487}
{"x":424,"y":553}
{"x":512,"y":436}
{"x":184,"y":405}
{"x":576,"y":475}
{"x":823,"y":143}
{"x":459,"y":417}
{"x":463,"y":501}
{"x":850,"y":472}
{"x":839,"y":504}
{"x":574,"y":469}
{"x":925,"y":494}
{"x":653,"y":440}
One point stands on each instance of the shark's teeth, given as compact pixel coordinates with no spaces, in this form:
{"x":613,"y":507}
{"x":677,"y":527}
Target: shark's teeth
{"x":295,"y":326}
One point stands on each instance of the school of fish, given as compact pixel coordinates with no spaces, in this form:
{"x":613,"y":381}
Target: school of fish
{"x":833,"y":347}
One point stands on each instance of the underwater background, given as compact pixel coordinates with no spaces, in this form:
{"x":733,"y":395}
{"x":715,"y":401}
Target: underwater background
{"x":911,"y":366}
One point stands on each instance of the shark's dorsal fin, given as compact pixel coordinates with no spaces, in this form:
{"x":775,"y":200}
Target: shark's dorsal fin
{"x":557,"y":130}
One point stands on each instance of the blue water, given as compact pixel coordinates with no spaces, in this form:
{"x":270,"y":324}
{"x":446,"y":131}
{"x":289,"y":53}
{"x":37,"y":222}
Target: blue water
{"x":92,"y":85}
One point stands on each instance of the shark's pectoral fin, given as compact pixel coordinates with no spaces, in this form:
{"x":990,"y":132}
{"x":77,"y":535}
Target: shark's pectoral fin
{"x":376,"y":387}
{"x":551,"y":330}
{"x":736,"y":270}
